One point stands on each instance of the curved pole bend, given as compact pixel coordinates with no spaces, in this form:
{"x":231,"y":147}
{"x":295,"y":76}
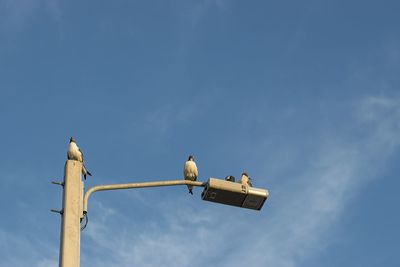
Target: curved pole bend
{"x":136,"y":185}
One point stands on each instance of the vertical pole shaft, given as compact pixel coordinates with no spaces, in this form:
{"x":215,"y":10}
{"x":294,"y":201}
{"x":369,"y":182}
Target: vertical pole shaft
{"x":72,"y":205}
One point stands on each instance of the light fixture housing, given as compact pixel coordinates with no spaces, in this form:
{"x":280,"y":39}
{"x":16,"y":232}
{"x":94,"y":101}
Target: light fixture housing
{"x":234,"y":194}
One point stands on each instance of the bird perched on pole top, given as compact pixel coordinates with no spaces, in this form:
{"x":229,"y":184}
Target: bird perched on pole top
{"x":74,"y":153}
{"x":230,"y":178}
{"x":190,"y":172}
{"x":245,"y":179}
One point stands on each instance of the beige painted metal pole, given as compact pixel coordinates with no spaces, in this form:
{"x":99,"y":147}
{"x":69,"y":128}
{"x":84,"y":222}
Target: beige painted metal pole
{"x":72,"y":207}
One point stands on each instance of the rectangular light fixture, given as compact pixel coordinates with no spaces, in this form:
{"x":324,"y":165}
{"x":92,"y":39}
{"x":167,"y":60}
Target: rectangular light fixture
{"x":234,"y":194}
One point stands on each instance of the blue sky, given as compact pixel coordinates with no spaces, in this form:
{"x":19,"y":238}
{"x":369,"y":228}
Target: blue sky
{"x":303,"y":95}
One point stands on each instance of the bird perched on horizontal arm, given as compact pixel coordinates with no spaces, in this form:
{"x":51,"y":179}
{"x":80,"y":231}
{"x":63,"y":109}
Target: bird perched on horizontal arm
{"x":245,"y":179}
{"x":230,"y":178}
{"x":190,"y":172}
{"x":74,"y":153}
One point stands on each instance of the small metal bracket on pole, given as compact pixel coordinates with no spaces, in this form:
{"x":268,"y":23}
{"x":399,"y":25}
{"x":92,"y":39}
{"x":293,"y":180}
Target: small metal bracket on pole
{"x":57,"y":211}
{"x":58,"y":183}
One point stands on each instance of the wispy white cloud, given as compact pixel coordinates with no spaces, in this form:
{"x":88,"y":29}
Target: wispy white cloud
{"x":307,"y":211}
{"x":160,"y":124}
{"x":195,"y":10}
{"x":35,"y":252}
{"x":192,"y":15}
{"x":167,"y":116}
{"x":295,"y":222}
{"x":47,"y":263}
{"x":294,"y":225}
{"x":15,"y":16}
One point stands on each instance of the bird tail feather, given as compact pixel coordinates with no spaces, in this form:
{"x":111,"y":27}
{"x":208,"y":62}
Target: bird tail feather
{"x":86,"y":170}
{"x":190,"y":187}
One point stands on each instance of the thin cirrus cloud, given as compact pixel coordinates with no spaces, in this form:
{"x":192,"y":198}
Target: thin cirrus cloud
{"x":307,"y":213}
{"x":16,"y":15}
{"x":289,"y":229}
{"x":35,"y":251}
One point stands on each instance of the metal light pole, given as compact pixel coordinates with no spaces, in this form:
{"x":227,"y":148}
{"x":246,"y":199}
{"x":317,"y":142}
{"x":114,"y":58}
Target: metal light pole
{"x":136,"y":185}
{"x":75,"y":206}
{"x":75,"y":203}
{"x":71,"y":215}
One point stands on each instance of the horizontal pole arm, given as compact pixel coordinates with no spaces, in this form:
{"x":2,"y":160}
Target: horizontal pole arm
{"x":136,"y":185}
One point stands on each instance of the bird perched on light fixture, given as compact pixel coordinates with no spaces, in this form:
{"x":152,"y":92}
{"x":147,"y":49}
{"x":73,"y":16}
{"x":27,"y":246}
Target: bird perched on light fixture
{"x":245,"y":179}
{"x":74,"y":153}
{"x":190,"y":172}
{"x":230,"y":178}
